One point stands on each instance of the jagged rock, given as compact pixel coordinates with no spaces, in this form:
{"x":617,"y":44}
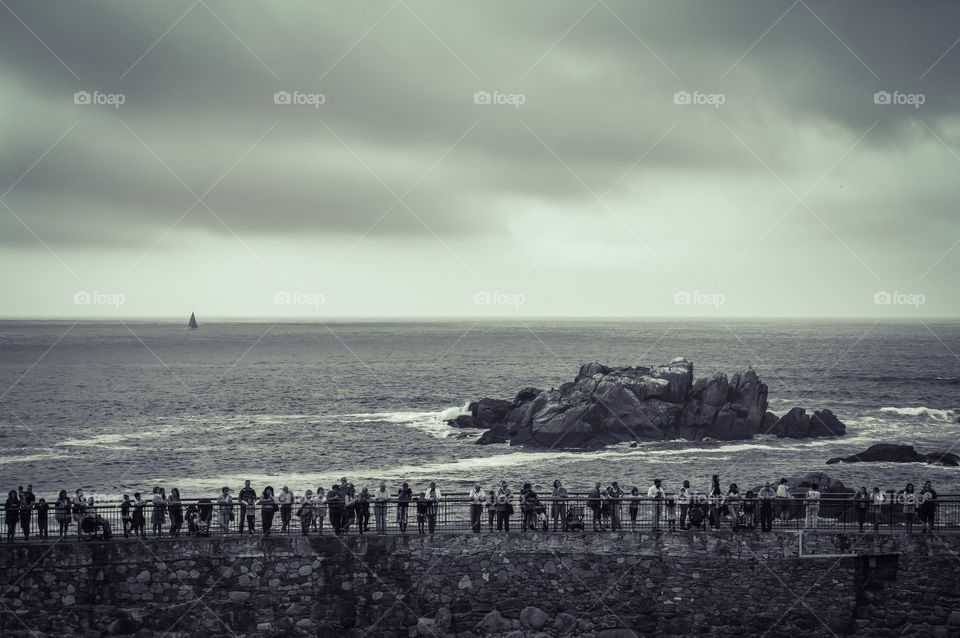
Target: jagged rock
{"x":605,"y":405}
{"x":465,"y":421}
{"x":796,"y":424}
{"x":564,"y":623}
{"x":495,"y":435}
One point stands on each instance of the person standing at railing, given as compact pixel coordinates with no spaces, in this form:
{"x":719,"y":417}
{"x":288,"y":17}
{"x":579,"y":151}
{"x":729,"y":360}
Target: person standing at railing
{"x":783,"y":498}
{"x":432,"y":497}
{"x":76,"y":510}
{"x":927,"y":506}
{"x":478,"y":498}
{"x":248,"y":511}
{"x":812,"y":507}
{"x":319,"y":509}
{"x":61,"y":512}
{"x":285,"y":499}
{"x":268,"y":508}
{"x":175,"y":507}
{"x":380,"y":499}
{"x":657,"y":493}
{"x":348,"y":493}
{"x":766,"y":496}
{"x":909,"y":498}
{"x":684,"y":498}
{"x":336,"y":501}
{"x":529,"y":502}
{"x":138,"y":523}
{"x":732,"y":502}
{"x":558,"y":508}
{"x":715,"y":501}
{"x":404,"y":495}
{"x":225,"y":510}
{"x":305,"y":512}
{"x":877,"y":499}
{"x":362,"y":507}
{"x":27,"y":500}
{"x":615,"y":495}
{"x":158,"y":515}
{"x":634,"y":507}
{"x":595,"y":505}
{"x":861,"y":504}
{"x":504,"y":505}
{"x":491,"y":508}
{"x":11,"y":510}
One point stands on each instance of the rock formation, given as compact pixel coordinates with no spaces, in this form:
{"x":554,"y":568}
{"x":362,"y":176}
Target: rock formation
{"x":894,"y":453}
{"x":604,"y":405}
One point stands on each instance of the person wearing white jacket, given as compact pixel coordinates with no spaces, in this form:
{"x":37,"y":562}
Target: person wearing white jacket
{"x":478,"y":498}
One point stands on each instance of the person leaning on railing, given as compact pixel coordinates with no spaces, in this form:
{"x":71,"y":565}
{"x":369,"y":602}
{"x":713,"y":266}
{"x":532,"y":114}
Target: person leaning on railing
{"x":861,"y":505}
{"x":558,"y":508}
{"x":927,"y":506}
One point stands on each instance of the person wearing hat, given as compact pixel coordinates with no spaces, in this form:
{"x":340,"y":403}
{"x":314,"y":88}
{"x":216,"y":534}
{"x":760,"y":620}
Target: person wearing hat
{"x":225,"y":509}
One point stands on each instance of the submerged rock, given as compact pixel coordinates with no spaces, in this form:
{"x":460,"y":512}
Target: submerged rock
{"x":605,"y":405}
{"x":897,"y":453}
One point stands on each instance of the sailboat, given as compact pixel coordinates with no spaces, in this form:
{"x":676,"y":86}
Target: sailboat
{"x":192,"y":325}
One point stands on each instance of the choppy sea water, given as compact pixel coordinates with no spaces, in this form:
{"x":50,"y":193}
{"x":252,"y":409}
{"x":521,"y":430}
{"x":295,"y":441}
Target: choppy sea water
{"x":116,"y":407}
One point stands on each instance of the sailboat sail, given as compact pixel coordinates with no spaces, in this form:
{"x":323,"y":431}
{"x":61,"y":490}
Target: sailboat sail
{"x":193,"y":322}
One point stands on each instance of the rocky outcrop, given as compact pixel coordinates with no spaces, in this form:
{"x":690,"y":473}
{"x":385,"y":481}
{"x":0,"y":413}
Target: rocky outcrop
{"x":605,"y":405}
{"x":795,"y":424}
{"x":896,"y":453}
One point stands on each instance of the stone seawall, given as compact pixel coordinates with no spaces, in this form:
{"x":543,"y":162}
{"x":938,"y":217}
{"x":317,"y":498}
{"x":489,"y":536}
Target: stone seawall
{"x":605,"y":585}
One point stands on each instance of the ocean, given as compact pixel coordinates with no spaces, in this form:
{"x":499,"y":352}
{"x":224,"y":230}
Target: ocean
{"x":120,"y":407}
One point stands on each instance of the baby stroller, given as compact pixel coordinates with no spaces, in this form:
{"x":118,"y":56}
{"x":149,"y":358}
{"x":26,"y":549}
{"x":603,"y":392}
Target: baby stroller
{"x":575,"y":518}
{"x":697,"y":516}
{"x":195,"y":525}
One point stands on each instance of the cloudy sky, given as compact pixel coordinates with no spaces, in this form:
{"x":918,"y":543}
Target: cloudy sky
{"x":437,"y":158}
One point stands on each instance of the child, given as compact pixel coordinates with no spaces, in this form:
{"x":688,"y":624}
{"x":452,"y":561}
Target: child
{"x":634,"y":507}
{"x":42,"y":509}
{"x":421,"y":513}
{"x":125,"y":506}
{"x":672,"y":514}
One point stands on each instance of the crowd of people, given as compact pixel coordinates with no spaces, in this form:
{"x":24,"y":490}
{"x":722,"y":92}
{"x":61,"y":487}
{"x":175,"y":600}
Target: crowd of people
{"x":344,"y":507}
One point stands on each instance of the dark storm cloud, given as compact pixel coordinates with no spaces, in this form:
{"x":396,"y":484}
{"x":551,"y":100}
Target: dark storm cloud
{"x":399,"y":99}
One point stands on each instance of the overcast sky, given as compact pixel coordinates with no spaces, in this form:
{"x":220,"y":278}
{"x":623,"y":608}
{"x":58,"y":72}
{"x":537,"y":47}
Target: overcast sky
{"x":440,"y":158}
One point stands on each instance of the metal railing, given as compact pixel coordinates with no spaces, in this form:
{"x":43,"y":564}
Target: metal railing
{"x":578,"y":512}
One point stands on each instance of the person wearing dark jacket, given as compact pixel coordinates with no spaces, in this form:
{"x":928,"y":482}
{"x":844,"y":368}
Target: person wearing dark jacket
{"x":861,"y":505}
{"x":27,"y":500}
{"x":11,"y":509}
{"x":335,"y":506}
{"x":248,"y":507}
{"x":404,"y":496}
{"x":175,"y":508}
{"x":529,"y":502}
{"x":43,"y":510}
{"x":927,"y":506}
{"x":268,"y":507}
{"x":594,"y":503}
{"x":361,"y":507}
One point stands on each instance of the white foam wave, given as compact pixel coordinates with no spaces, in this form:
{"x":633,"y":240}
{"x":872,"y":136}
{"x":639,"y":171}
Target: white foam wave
{"x":432,"y":423}
{"x":946,"y":416}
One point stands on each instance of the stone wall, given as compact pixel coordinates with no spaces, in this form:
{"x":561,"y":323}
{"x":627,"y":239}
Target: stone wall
{"x":604,"y":585}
